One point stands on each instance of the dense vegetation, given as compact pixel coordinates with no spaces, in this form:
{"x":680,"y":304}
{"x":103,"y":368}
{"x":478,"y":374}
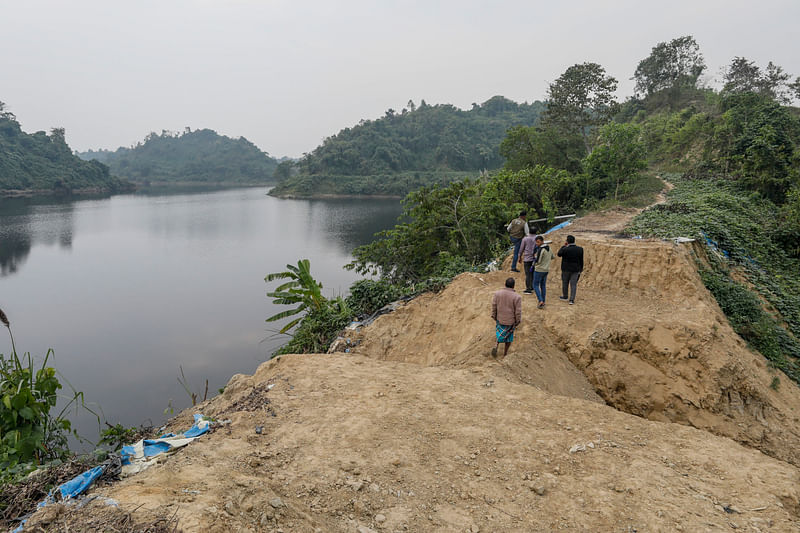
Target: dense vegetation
{"x":43,"y":163}
{"x":733,"y":155}
{"x":199,"y":156}
{"x":742,"y":231}
{"x":738,"y":193}
{"x":399,"y":152}
{"x":30,"y":433}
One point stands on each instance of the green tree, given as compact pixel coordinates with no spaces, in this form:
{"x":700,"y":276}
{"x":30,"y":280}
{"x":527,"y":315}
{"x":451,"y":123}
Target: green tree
{"x":757,"y":139}
{"x":788,"y":227}
{"x":302,"y":290}
{"x":527,"y":147}
{"x":743,"y":76}
{"x":619,"y":156}
{"x":437,"y":223}
{"x":794,"y":87}
{"x":542,"y":190}
{"x":284,"y":170}
{"x":674,"y":64}
{"x":322,"y":318}
{"x":581,"y":98}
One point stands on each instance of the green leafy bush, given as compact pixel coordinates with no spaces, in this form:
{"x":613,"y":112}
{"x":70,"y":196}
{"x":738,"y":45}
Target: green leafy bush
{"x":27,"y":394}
{"x":747,"y":317}
{"x":368,"y":295}
{"x":318,"y":329}
{"x":116,"y":436}
{"x":30,"y":433}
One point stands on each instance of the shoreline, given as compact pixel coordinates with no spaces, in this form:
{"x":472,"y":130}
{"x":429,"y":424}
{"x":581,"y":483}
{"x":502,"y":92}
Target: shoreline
{"x":29,"y":193}
{"x":335,"y":196}
{"x":102,"y":191}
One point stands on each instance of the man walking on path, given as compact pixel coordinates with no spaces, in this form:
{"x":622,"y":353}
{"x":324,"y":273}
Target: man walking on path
{"x":571,"y":268}
{"x":507,"y":314}
{"x":541,"y":267}
{"x":527,"y":251}
{"x":517,"y":229}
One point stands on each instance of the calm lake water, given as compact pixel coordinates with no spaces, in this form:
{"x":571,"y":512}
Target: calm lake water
{"x":126,"y":290}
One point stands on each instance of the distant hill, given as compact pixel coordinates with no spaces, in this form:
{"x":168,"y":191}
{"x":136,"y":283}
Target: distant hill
{"x":200,"y":156}
{"x":404,"y":150}
{"x":39,"y":163}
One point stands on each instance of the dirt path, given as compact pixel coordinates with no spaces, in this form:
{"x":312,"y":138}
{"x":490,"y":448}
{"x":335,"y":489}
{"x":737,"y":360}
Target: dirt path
{"x":637,"y":409}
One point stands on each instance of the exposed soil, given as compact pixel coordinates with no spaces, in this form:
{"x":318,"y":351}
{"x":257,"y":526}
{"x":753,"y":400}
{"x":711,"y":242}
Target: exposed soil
{"x":636,"y":409}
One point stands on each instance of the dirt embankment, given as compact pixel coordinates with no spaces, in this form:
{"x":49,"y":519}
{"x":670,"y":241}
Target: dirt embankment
{"x":636,"y":409}
{"x":645,"y":336}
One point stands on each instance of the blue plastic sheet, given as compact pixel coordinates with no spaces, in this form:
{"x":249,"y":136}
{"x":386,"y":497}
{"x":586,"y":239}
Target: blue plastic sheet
{"x":558,"y":227}
{"x":149,"y":448}
{"x":78,"y":485}
{"x":142,"y":451}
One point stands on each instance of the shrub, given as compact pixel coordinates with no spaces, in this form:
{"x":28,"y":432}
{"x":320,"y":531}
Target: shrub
{"x":29,"y":433}
{"x":318,"y":329}
{"x":369,"y":295}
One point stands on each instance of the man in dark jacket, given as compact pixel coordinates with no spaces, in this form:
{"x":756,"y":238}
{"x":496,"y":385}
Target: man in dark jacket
{"x":571,"y":268}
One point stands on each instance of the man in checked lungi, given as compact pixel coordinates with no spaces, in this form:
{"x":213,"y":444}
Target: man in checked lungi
{"x":507,"y":314}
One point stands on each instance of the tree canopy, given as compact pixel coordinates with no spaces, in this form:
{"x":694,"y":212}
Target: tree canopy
{"x":743,"y":76}
{"x":677,"y":63}
{"x":580,"y":99}
{"x":199,"y":156}
{"x":419,"y":145}
{"x":39,"y":162}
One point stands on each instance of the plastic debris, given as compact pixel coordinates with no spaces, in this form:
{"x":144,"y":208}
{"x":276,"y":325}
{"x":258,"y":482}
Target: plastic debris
{"x":558,"y":227}
{"x":141,"y":455}
{"x":134,"y":458}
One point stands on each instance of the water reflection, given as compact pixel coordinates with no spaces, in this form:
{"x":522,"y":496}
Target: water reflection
{"x":25,"y":222}
{"x":128,"y":289}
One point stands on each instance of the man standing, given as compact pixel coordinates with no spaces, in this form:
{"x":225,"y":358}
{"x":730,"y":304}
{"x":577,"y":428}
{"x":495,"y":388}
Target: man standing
{"x":541,"y":267}
{"x":571,"y":268}
{"x":507,"y":314}
{"x":517,"y":229}
{"x":527,"y":251}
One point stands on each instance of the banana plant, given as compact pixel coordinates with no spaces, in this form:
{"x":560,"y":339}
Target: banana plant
{"x":301,"y":289}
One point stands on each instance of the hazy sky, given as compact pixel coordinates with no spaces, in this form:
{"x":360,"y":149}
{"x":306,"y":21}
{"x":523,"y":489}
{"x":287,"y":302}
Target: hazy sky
{"x":286,"y":74}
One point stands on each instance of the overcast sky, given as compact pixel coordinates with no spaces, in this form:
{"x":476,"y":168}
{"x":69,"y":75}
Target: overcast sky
{"x":287,"y":74}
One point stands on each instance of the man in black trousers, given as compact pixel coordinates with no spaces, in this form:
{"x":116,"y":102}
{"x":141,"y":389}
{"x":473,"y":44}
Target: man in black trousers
{"x":571,"y":267}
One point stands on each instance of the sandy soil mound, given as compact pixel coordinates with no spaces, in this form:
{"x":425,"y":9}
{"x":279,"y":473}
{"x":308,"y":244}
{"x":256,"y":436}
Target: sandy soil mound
{"x":357,"y":445}
{"x":645,"y":335}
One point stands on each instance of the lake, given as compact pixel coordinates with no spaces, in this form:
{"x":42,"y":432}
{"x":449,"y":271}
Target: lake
{"x":129,"y":289}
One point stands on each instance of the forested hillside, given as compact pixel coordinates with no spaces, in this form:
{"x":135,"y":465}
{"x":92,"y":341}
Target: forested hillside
{"x":199,"y":156}
{"x":408,"y":149}
{"x":40,"y":163}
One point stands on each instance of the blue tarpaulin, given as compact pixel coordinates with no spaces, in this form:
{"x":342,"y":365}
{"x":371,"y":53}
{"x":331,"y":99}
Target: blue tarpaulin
{"x":135,"y":458}
{"x":558,"y":227}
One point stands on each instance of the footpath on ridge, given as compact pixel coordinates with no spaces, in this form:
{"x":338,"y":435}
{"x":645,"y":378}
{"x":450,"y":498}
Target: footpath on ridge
{"x":636,"y":409}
